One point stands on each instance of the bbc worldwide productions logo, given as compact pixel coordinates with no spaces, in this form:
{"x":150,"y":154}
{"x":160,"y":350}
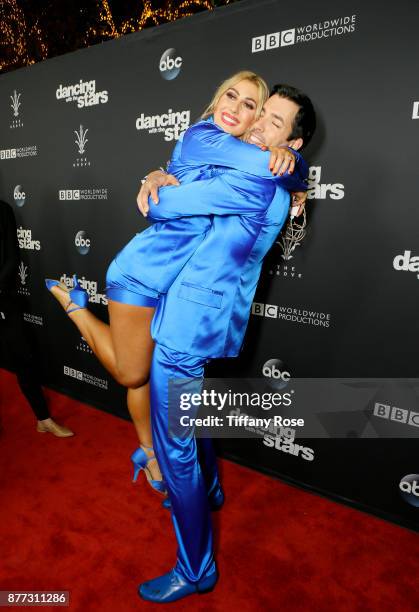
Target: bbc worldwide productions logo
{"x":102,"y":383}
{"x":396,"y":414}
{"x":307,"y":33}
{"x":69,"y":195}
{"x":170,"y":64}
{"x":28,"y":151}
{"x":273,"y":41}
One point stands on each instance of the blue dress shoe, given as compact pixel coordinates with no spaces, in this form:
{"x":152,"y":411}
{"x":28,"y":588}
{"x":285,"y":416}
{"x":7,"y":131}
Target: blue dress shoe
{"x":172,"y":586}
{"x":216,"y":500}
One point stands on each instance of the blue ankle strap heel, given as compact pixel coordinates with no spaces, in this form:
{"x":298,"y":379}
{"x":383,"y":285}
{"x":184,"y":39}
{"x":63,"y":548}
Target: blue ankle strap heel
{"x":77,"y":295}
{"x":140,"y":459}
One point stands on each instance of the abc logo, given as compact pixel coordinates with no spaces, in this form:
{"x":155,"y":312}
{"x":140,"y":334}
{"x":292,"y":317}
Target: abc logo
{"x":170,"y":64}
{"x":409,"y":487}
{"x":19,"y":196}
{"x":276,"y":374}
{"x":82,"y":242}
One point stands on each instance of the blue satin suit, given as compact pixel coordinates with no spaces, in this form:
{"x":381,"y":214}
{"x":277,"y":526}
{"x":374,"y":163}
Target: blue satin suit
{"x":150,"y":262}
{"x":202,"y":257}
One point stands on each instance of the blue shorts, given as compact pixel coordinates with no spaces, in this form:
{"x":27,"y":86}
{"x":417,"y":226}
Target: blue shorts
{"x":121,"y":287}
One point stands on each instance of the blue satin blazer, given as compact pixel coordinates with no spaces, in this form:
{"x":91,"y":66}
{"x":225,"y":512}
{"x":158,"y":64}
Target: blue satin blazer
{"x":206,"y":310}
{"x":219,"y":175}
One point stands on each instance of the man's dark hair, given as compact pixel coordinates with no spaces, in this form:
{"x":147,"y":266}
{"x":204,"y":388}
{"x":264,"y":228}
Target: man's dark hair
{"x":305,"y":119}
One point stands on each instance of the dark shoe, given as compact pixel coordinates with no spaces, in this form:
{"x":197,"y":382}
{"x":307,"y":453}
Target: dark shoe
{"x":216,"y":500}
{"x":172,"y":586}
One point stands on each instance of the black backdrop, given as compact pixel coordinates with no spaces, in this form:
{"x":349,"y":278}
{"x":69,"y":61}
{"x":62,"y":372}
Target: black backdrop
{"x":344,"y":305}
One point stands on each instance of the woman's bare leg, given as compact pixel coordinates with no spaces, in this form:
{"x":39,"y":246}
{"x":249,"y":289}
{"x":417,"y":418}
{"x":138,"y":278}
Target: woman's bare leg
{"x":125,"y":346}
{"x":138,"y":401}
{"x":125,"y":349}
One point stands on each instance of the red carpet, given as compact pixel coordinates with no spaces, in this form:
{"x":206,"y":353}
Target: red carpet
{"x":72,"y":520}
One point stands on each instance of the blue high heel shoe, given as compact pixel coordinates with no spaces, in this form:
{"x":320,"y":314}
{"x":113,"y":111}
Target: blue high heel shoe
{"x":77,"y":295}
{"x":141,"y":460}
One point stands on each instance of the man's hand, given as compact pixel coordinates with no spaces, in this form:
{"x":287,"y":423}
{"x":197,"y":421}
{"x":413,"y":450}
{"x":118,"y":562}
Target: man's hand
{"x":151,"y":187}
{"x":298,"y":198}
{"x":281,"y":160}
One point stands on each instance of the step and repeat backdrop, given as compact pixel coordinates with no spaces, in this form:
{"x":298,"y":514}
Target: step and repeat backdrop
{"x":78,"y":133}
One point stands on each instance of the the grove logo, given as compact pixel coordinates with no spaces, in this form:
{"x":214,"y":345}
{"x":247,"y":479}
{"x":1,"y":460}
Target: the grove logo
{"x":274,"y":371}
{"x":82,"y":242}
{"x":407,"y":263}
{"x":81,"y":143}
{"x":19,"y":196}
{"x":23,"y":273}
{"x":409,"y":488}
{"x":170,"y":64}
{"x":15,"y":105}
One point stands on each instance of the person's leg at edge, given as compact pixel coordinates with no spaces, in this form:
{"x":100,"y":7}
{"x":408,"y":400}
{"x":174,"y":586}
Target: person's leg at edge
{"x":19,"y":349}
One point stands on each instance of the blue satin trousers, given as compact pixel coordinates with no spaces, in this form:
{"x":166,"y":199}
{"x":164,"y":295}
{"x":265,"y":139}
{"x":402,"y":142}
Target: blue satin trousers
{"x":187,"y":463}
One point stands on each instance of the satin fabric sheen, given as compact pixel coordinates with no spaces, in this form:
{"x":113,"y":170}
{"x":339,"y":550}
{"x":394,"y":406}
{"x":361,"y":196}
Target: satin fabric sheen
{"x":207,"y":267}
{"x":188,"y":480}
{"x":183,"y":216}
{"x":204,"y":314}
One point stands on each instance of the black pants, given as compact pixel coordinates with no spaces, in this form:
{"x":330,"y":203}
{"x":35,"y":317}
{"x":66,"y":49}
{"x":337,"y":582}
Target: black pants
{"x":16,"y":347}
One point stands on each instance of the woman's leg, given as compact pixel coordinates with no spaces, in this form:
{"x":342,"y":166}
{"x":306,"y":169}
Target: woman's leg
{"x":125,"y":346}
{"x":138,"y":401}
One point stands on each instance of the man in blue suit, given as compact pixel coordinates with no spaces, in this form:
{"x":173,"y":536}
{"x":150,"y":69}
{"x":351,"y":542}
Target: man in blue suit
{"x":204,"y":316}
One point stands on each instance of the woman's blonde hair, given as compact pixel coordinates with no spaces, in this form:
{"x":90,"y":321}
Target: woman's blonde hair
{"x":263,"y":91}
